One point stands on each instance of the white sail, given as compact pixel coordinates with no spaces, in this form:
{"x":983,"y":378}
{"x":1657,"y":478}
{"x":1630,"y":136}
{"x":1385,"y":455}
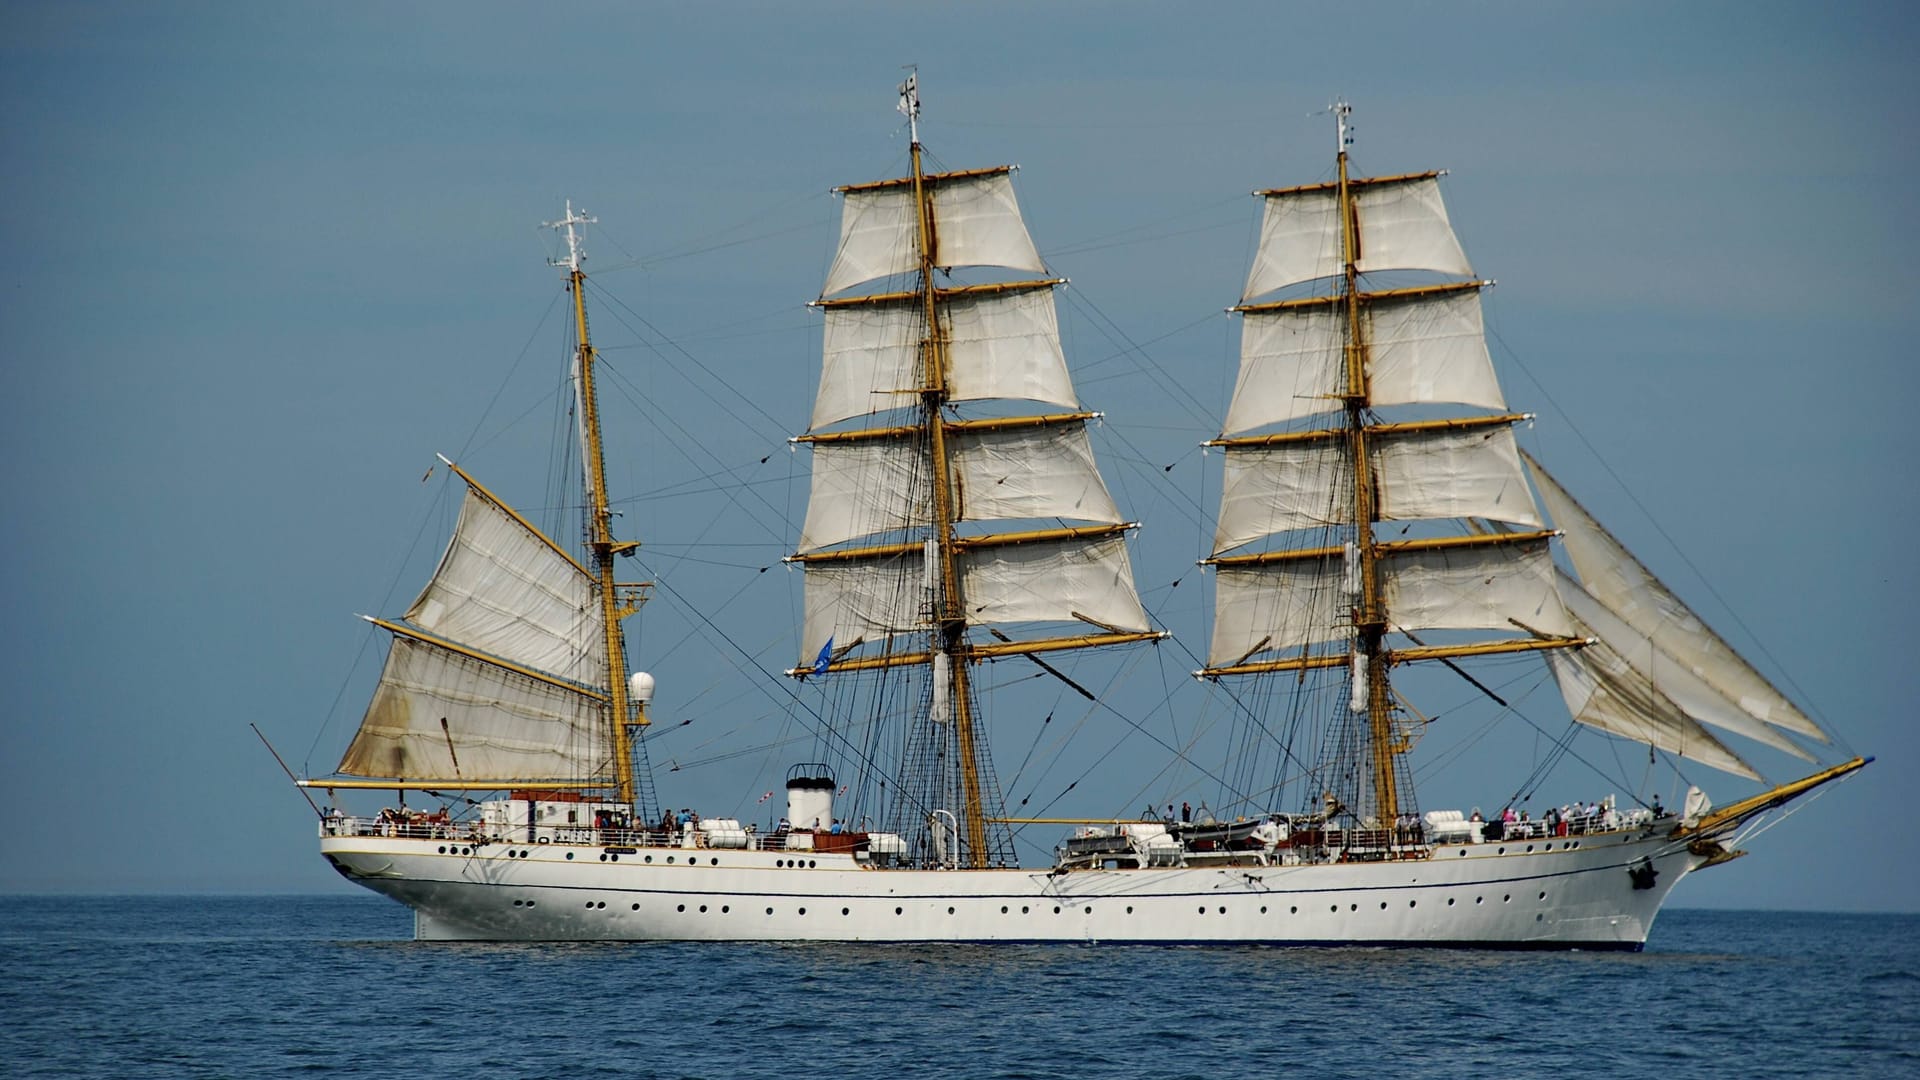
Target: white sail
{"x":864,"y":488}
{"x":1630,"y":591}
{"x":1661,"y":674}
{"x":999,"y":345}
{"x":502,"y":590}
{"x":1278,"y":606}
{"x":499,"y":724}
{"x":1284,"y":605}
{"x":976,"y":222}
{"x":1052,"y":581}
{"x":1445,"y":473}
{"x":870,"y":600}
{"x":1041,"y":581}
{"x":1426,"y":348}
{"x":1037,"y":472}
{"x":1603,"y":691}
{"x":1505,"y":587}
{"x":1403,"y":226}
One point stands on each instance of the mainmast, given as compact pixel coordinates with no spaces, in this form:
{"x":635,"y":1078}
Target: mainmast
{"x":616,"y":602}
{"x":883,"y":547}
{"x":1370,"y":618}
{"x":948,"y":656}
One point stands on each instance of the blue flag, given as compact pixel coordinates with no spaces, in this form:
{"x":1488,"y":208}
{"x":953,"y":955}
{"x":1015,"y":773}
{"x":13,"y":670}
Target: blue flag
{"x":826,"y":655}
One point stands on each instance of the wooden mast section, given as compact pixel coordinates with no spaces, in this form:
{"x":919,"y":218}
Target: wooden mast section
{"x":600,"y":541}
{"x":1370,"y":616}
{"x":950,"y":621}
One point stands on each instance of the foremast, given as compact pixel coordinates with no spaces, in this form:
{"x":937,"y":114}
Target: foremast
{"x":616,"y":601}
{"x":928,"y":475}
{"x":1348,"y":586}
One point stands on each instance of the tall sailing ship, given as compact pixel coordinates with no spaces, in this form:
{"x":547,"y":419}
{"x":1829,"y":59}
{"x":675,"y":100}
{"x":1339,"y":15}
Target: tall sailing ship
{"x":957,"y":516}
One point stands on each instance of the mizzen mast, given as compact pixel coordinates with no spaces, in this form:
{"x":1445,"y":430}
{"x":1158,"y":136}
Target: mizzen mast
{"x":617,"y":601}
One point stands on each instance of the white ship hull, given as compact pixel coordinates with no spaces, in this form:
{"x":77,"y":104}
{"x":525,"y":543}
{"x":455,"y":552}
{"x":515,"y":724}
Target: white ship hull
{"x":1581,"y":892}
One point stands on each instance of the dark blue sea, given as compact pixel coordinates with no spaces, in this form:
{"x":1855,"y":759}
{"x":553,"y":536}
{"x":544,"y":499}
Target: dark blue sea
{"x":332,"y":987}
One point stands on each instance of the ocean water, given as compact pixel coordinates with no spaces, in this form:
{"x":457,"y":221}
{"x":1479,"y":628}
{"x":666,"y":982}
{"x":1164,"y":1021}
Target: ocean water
{"x":332,"y":987}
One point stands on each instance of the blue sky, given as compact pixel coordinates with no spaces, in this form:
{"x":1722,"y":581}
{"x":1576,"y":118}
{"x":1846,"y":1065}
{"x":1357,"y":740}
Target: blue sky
{"x":267,"y":260}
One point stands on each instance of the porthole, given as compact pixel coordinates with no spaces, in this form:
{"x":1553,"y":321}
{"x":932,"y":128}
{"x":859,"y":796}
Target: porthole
{"x":1294,"y":910}
{"x":1056,"y":909}
{"x":1449,"y":901}
{"x":516,"y":903}
{"x":1463,"y":853}
{"x":844,"y":911}
{"x":1333,"y":908}
{"x":681,"y":907}
{"x":613,"y":858}
{"x":602,"y":905}
{"x":649,"y":858}
{"x":1353,"y":907}
{"x":949,"y":911}
{"x":466,"y":851}
{"x":896,"y":911}
{"x":529,"y":903}
{"x":1203,"y":909}
{"x":1129,"y":909}
{"x":1089,"y":911}
{"x":1576,"y":843}
{"x":1223,"y":911}
{"x":669,"y":859}
{"x":1024,"y":910}
{"x":636,"y":907}
{"x":1543,"y":895}
{"x":1478,"y":899}
{"x":1003,"y":909}
{"x":603,"y":856}
{"x":443,"y":849}
{"x":1542,"y":917}
{"x":1502,"y":851}
{"x":703,"y":909}
{"x":1383,"y":905}
{"x":769,"y":911}
{"x":811,"y":864}
{"x":569,"y":854}
{"x":803,"y":911}
{"x":589,"y":905}
{"x":724,"y":908}
{"x":1507,"y":898}
{"x":1529,"y":847}
{"x":716,"y":862}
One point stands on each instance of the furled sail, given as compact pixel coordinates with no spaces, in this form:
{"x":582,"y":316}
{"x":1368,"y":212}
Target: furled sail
{"x":976,"y":222}
{"x":1426,"y":345}
{"x":1403,"y":226}
{"x":1627,"y":589}
{"x":504,"y":592}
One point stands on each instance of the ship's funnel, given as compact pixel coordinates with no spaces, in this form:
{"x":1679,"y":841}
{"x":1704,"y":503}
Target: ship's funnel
{"x":810,"y":796}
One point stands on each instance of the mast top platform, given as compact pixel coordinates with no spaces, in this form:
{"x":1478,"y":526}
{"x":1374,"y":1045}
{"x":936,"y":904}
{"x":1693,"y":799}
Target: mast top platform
{"x":575,"y":253}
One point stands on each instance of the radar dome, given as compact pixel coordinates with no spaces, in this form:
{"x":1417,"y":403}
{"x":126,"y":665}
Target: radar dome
{"x":640,"y":687}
